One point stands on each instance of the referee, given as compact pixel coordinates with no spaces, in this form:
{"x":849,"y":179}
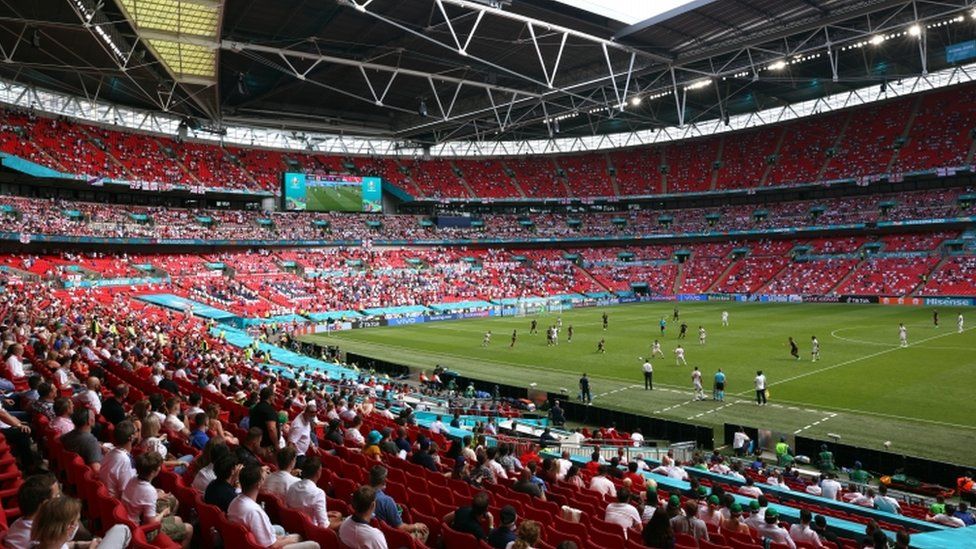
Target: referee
{"x":648,"y":375}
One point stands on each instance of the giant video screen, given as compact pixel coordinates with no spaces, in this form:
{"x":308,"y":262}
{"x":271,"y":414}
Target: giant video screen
{"x":331,"y":193}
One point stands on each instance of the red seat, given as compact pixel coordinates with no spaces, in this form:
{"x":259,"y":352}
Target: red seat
{"x":600,"y":538}
{"x":236,"y":536}
{"x":210,"y":519}
{"x":325,"y":537}
{"x":396,"y":539}
{"x":452,"y":539}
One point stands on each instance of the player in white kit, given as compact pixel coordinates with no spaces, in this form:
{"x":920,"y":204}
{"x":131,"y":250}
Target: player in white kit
{"x":656,"y":349}
{"x":959,"y":323}
{"x":701,"y":335}
{"x":679,"y":356}
{"x":815,"y":349}
{"x":697,"y":384}
{"x":487,"y":339}
{"x":725,"y":318}
{"x":903,"y":335}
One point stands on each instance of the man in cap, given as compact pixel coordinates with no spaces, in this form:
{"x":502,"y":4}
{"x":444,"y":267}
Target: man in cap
{"x":771,"y":530}
{"x":504,"y":534}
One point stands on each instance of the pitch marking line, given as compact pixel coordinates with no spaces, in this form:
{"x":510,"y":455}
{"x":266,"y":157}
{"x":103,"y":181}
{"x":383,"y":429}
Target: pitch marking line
{"x":854,"y":360}
{"x":831,"y":415}
{"x":711,"y":411}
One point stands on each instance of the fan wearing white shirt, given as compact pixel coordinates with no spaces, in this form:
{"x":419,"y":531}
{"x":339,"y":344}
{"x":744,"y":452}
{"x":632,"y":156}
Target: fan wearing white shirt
{"x":15,"y":362}
{"x":140,"y":499}
{"x":623,"y":513}
{"x":829,"y":487}
{"x":301,"y":432}
{"x":771,"y":530}
{"x":601,"y":484}
{"x":637,"y":437}
{"x":281,"y":480}
{"x":117,"y":470}
{"x":355,"y":530}
{"x":306,"y":497}
{"x":89,"y":398}
{"x":245,"y":510}
{"x":803,"y":532}
{"x":35,"y":490}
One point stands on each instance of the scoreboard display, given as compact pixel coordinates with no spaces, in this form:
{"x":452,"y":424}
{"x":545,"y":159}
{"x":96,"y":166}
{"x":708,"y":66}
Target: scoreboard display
{"x":331,"y":193}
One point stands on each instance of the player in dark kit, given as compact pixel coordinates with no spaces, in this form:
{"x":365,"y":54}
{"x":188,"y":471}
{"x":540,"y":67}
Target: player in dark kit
{"x":675,"y":315}
{"x":684,"y":331}
{"x":605,"y":321}
{"x":533,"y":326}
{"x":569,"y":333}
{"x":514,"y":337}
{"x":601,"y":347}
{"x":935,"y":318}
{"x":794,"y":350}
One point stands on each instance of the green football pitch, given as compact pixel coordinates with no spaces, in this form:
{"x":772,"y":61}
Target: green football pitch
{"x":335,"y":199}
{"x":864,"y":388}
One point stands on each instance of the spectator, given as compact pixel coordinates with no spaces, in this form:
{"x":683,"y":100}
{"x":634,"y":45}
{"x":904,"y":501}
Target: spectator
{"x":757,"y":513}
{"x":34,"y":491}
{"x":859,"y":475}
{"x":527,"y":535}
{"x":44,"y":404}
{"x":947,"y":518}
{"x":204,"y":464}
{"x":473,"y":519}
{"x":116,"y":470}
{"x":57,"y":520}
{"x":248,"y":452}
{"x":221,"y":491}
{"x":264,"y":417}
{"x":141,"y":501}
{"x":902,"y":540}
{"x":301,"y":432}
{"x":573,"y":477}
{"x":281,"y":480}
{"x":689,"y":523}
{"x":306,"y":497}
{"x":734,"y":522}
{"x":81,"y":441}
{"x":771,"y":530}
{"x":830,"y":488}
{"x":500,"y":537}
{"x":826,"y":459}
{"x":63,"y":408}
{"x":622,"y":513}
{"x":601,"y":484}
{"x":198,"y":436}
{"x":803,"y":533}
{"x":658,"y":532}
{"x":964,"y":514}
{"x":372,"y":449}
{"x":245,"y":510}
{"x":826,"y":536}
{"x":525,"y":485}
{"x":387,"y":509}
{"x":355,"y":531}
{"x":750,"y":489}
{"x":90,"y":396}
{"x":884,"y":502}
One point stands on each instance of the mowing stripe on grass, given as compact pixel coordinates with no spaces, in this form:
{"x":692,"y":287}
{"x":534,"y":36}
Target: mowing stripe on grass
{"x":852,"y":361}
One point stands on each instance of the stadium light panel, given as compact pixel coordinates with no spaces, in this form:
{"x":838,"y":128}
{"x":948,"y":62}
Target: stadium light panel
{"x":777,"y":65}
{"x":177,"y":31}
{"x":635,"y":100}
{"x":877,"y":39}
{"x":915,"y":30}
{"x":627,"y":11}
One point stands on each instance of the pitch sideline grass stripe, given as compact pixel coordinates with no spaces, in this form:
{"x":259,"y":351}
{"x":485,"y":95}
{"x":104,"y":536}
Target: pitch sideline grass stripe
{"x":852,"y":361}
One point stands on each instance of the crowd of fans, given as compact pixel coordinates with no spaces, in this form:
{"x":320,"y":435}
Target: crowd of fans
{"x":857,"y":143}
{"x":31,"y":216}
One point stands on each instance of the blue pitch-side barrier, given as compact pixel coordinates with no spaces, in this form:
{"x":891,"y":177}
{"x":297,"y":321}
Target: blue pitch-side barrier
{"x":292,"y":360}
{"x":334,"y":315}
{"x":178,"y":303}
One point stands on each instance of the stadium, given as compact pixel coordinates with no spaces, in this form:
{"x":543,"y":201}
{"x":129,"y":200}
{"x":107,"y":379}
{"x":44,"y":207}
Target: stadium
{"x":487,"y":273}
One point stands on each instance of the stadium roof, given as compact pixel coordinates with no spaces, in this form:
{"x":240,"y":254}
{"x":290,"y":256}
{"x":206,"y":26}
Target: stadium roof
{"x":425,"y":72}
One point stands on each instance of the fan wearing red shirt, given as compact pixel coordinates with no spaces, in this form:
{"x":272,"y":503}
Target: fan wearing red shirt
{"x":594,"y":464}
{"x":636,"y":478}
